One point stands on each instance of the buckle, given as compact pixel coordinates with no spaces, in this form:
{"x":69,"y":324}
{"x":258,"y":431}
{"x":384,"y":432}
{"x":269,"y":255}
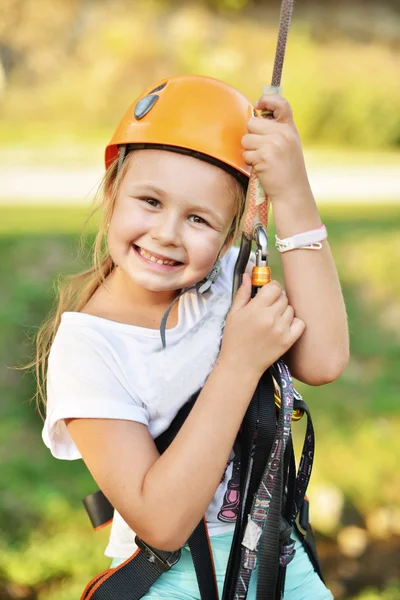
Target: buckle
{"x":154,"y":556}
{"x":285,"y":531}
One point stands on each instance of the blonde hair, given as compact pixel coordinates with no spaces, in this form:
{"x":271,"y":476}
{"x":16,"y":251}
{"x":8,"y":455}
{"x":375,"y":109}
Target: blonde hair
{"x":74,"y":291}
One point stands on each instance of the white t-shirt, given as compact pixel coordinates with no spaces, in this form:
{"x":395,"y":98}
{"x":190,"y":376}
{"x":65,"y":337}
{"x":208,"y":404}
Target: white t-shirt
{"x":103,"y":369}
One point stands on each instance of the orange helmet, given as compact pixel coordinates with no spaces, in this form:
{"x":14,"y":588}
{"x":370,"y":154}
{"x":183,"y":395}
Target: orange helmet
{"x":191,"y":114}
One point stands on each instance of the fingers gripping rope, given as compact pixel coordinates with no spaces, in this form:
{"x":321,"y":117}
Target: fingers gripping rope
{"x":257,"y":201}
{"x":257,"y":206}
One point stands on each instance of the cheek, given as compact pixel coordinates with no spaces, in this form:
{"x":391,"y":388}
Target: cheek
{"x":125,"y":226}
{"x":204,"y":250}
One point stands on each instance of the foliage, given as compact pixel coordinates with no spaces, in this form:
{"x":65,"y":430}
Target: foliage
{"x":392,"y":592}
{"x":72,"y":68}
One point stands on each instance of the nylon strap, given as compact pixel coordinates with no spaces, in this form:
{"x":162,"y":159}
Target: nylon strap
{"x":256,"y":436}
{"x":269,"y":494}
{"x":306,"y":462}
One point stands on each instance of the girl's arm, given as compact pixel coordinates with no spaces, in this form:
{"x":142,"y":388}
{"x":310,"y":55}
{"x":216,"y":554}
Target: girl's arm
{"x":314,"y":291}
{"x":163,"y":498}
{"x":273,"y":148}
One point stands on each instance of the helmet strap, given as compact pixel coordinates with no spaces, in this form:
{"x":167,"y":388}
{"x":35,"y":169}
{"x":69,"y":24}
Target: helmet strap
{"x":202,"y":286}
{"x":121,"y":156}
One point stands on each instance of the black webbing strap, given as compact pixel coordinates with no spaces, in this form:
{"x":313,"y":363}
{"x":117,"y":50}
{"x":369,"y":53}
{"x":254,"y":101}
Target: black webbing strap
{"x":300,"y":514}
{"x":99,"y":509}
{"x":129,"y":581}
{"x":288,"y":500}
{"x":203,"y":562}
{"x":309,"y":544}
{"x":296,"y":504}
{"x":246,"y":437}
{"x":269,"y":550}
{"x":133,"y":579}
{"x":306,"y":462}
{"x":256,"y":436}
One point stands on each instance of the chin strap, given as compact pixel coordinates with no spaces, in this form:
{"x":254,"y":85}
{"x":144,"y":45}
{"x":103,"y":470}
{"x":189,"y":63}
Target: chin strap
{"x":202,"y":286}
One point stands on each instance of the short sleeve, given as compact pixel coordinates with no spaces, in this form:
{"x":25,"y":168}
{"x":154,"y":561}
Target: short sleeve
{"x":84,"y":381}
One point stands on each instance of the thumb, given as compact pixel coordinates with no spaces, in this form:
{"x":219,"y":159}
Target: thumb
{"x":243,"y":294}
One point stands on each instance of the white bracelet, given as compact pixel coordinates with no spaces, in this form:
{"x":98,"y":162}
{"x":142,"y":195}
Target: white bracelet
{"x":308,"y":240}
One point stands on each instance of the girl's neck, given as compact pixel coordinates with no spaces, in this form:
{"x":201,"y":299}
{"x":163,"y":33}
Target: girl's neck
{"x":127,"y":293}
{"x":121,"y":300}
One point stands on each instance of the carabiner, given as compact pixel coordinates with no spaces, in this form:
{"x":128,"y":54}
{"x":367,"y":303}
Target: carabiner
{"x":261,"y":273}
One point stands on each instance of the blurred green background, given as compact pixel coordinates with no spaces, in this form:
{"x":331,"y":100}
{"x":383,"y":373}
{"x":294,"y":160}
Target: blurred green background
{"x":68,"y":70}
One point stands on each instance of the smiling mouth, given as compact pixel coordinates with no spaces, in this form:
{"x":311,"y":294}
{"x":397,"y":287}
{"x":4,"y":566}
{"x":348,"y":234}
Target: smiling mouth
{"x":156,"y":258}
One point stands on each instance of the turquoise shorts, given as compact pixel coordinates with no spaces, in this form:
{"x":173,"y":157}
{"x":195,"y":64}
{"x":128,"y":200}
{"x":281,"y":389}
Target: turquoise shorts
{"x":180,"y":583}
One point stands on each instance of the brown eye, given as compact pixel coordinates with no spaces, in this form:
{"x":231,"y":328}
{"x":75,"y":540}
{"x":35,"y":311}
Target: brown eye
{"x":150,"y":201}
{"x":197,"y":219}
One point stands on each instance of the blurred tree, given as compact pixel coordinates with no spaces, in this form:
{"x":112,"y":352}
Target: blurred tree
{"x":36,"y":35}
{"x":63,"y":60}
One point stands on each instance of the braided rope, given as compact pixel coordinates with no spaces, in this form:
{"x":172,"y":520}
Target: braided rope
{"x":256,"y":199}
{"x":284,"y":26}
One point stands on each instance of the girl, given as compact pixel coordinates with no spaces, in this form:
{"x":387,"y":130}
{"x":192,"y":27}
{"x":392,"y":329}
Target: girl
{"x":173,"y":196}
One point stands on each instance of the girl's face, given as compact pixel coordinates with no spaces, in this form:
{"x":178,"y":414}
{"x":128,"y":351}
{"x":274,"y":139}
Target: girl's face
{"x":171,"y":218}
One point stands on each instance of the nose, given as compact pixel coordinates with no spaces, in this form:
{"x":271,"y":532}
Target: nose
{"x":166,"y":230}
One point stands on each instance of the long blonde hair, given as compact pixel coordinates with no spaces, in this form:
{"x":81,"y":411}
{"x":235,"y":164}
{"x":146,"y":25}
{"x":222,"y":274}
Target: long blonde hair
{"x":74,"y":291}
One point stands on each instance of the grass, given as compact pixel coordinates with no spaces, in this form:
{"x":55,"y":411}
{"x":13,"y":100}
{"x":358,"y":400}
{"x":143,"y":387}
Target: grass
{"x":16,"y":219}
{"x":47,"y":544}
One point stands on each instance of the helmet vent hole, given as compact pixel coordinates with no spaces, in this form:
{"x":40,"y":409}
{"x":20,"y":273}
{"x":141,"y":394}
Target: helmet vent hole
{"x":159,"y":88}
{"x":144,"y":105}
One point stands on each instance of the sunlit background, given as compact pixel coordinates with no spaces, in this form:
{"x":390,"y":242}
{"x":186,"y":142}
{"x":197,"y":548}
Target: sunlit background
{"x":68,"y":71}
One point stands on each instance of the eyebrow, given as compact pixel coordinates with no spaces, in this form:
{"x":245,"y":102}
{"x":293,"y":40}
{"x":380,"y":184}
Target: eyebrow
{"x":193,"y":207}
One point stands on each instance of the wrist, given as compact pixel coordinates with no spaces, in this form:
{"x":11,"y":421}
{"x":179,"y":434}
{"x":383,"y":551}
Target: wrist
{"x":234,"y":364}
{"x":295,"y":214}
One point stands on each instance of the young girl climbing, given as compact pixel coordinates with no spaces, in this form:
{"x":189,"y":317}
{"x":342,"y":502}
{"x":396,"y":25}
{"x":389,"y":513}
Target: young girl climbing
{"x":172,"y":201}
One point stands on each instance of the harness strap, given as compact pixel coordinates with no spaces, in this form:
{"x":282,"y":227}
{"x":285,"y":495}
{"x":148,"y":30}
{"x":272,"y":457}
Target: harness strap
{"x":256,"y":435}
{"x":287,"y":548}
{"x":271,"y":583}
{"x":269,"y":551}
{"x":267,"y":502}
{"x":132,"y":579}
{"x":307,"y":538}
{"x":306,"y":462}
{"x":203,"y":561}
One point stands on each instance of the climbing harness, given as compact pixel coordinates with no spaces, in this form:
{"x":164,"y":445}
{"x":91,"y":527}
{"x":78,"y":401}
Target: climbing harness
{"x":260,"y":436}
{"x":272,"y":494}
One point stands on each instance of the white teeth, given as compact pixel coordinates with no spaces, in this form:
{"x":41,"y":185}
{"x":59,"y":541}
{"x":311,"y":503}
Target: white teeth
{"x":152,"y":258}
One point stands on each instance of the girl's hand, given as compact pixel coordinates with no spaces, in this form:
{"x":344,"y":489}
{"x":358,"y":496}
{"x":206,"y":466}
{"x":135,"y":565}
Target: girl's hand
{"x":259,"y":330}
{"x":273,"y":148}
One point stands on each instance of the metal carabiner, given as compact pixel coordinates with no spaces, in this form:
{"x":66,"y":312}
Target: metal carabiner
{"x":261,"y":239}
{"x":261,"y":273}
